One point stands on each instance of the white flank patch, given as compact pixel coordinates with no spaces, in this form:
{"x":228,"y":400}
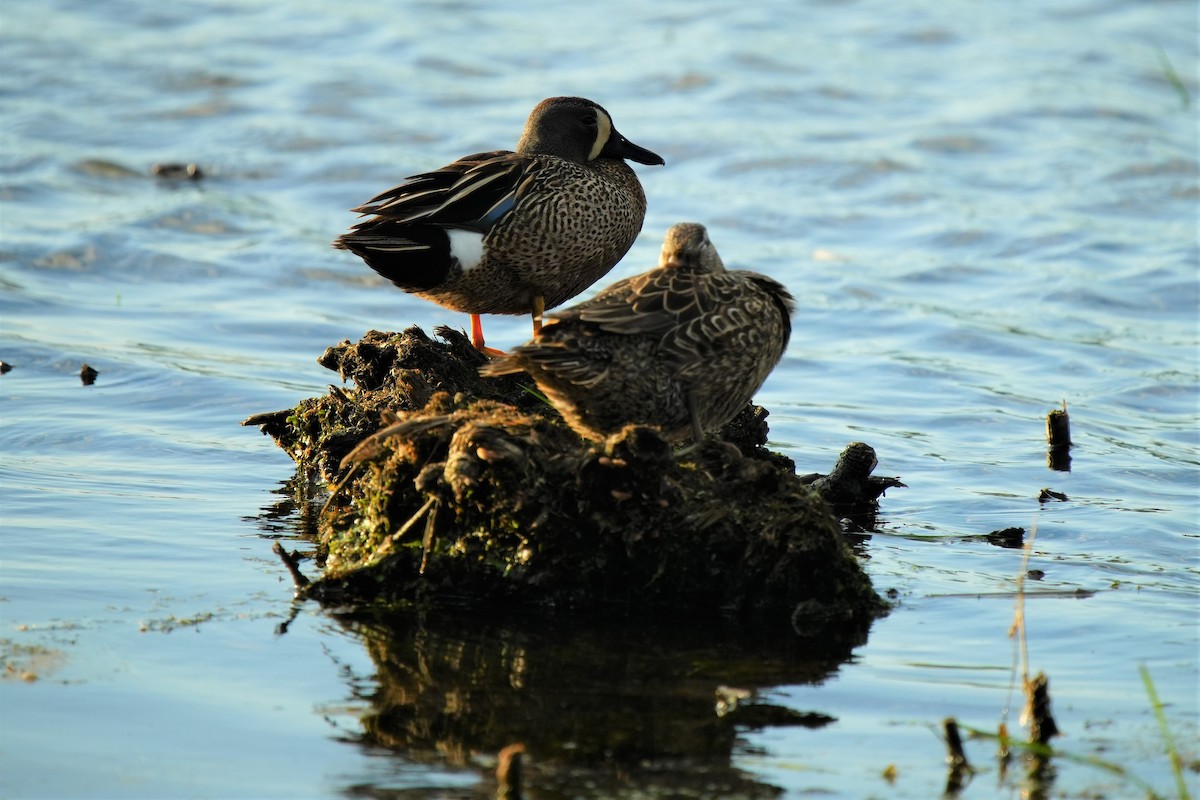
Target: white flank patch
{"x":467,"y":247}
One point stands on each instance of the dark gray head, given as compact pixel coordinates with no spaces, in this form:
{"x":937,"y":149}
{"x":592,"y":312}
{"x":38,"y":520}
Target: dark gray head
{"x":579,"y":130}
{"x":686,"y":246}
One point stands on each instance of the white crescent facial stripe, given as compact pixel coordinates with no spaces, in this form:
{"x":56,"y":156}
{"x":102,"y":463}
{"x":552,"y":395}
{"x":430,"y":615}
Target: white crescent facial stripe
{"x":603,"y":131}
{"x":466,"y":246}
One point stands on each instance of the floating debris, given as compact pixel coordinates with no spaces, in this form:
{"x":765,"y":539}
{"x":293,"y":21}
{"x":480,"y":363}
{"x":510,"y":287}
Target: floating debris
{"x":177,"y":172}
{"x":1008,"y":537}
{"x":1058,"y":435}
{"x":960,"y":768}
{"x":1042,"y":727}
{"x":27,"y":662}
{"x":850,"y":484}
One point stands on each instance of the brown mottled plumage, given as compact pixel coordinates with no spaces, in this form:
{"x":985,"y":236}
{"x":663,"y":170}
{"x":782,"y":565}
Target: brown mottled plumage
{"x":512,"y":232}
{"x":682,"y":347}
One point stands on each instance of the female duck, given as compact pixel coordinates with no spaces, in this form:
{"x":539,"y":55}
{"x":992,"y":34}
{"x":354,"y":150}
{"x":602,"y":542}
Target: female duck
{"x":682,"y":347}
{"x":512,"y":232}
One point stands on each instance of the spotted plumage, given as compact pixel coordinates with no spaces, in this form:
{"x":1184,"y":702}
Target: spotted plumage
{"x":512,"y":232}
{"x":682,"y":347}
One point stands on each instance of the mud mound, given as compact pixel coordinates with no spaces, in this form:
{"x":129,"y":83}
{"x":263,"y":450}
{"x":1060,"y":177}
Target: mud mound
{"x":451,"y":489}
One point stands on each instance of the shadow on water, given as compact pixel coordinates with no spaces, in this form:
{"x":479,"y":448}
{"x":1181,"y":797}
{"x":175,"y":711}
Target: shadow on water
{"x":603,"y":706}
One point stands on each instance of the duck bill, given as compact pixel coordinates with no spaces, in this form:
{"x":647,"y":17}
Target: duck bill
{"x":620,"y":147}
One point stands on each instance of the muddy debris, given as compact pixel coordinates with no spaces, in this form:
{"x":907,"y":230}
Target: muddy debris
{"x":1046,"y":495}
{"x":1012,"y":538}
{"x":177,"y":172}
{"x":449,"y":489}
{"x":850,"y":486}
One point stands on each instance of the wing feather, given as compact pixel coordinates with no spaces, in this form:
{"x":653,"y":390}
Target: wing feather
{"x":473,"y":193}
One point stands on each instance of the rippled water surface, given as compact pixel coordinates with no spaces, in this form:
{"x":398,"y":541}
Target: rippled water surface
{"x":984,"y":209}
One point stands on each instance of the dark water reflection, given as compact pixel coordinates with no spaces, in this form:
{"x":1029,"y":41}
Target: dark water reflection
{"x":603,"y":706}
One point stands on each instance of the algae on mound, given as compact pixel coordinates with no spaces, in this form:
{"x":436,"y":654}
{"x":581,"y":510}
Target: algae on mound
{"x":449,"y":488}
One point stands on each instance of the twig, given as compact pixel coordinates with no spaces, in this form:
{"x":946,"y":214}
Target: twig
{"x":336,"y":490}
{"x":413,"y":520}
{"x":1004,"y":751}
{"x":427,"y":539}
{"x":956,"y":757}
{"x":292,"y":564}
{"x":1042,"y":726}
{"x":1042,"y":751}
{"x":1017,"y":629}
{"x":1037,"y":690}
{"x":960,"y":768}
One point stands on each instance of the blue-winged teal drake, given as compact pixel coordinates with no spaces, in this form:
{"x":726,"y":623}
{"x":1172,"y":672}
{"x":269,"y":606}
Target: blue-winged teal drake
{"x":512,"y":232}
{"x":682,"y":347}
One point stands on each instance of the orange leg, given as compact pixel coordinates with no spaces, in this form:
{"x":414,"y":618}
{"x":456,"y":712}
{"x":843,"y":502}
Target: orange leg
{"x":477,"y":339}
{"x":477,"y":332}
{"x":539,"y":306}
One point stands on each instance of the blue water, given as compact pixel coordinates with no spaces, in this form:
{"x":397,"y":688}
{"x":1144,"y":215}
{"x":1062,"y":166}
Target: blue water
{"x":983,"y":210}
